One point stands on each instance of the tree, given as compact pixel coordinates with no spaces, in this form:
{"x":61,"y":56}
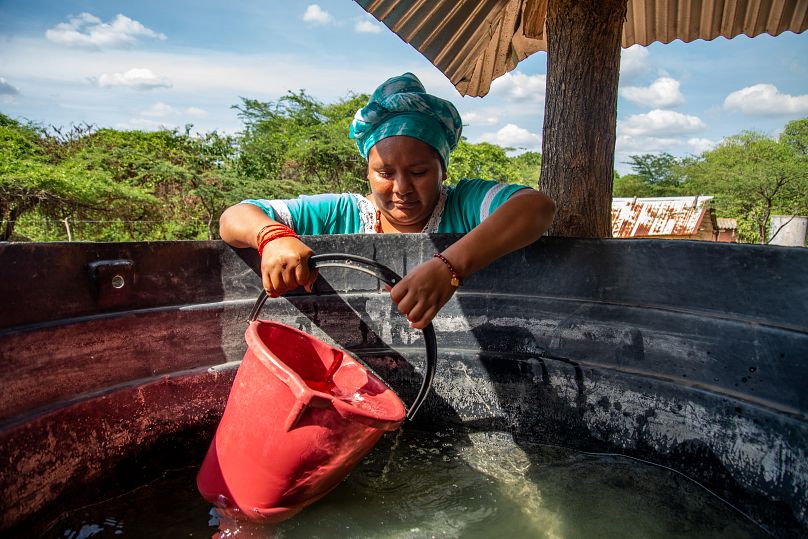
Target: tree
{"x":298,"y":145}
{"x":114,"y":185}
{"x":753,"y":177}
{"x":35,"y":178}
{"x":632,"y":185}
{"x":654,"y":175}
{"x":212,"y":176}
{"x":491,"y":162}
{"x":795,"y":134}
{"x":482,"y":160}
{"x":24,"y":175}
{"x":526,"y":168}
{"x":656,"y":169}
{"x":183,"y":180}
{"x":580,"y":113}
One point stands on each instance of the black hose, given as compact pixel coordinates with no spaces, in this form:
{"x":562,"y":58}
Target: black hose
{"x":387,"y":276}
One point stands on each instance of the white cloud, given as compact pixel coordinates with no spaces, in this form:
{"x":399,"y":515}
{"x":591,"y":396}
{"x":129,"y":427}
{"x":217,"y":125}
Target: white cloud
{"x":658,"y":131}
{"x":212,"y":80}
{"x":513,"y":136}
{"x":137,"y":78}
{"x":146,"y":124}
{"x":765,"y":100}
{"x":701,"y":145}
{"x":162,"y":110}
{"x":6,"y":88}
{"x":87,"y":30}
{"x":517,"y":86}
{"x":628,"y":144}
{"x":213,"y":74}
{"x":316,"y":15}
{"x":368,"y":26}
{"x":662,"y":93}
{"x":479,"y":118}
{"x":633,"y":61}
{"x":195,"y":111}
{"x":161,"y":115}
{"x":158,"y":110}
{"x":660,"y":123}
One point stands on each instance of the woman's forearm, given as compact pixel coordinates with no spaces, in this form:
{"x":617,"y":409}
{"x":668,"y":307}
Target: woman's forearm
{"x":518,"y":222}
{"x":284,"y":261}
{"x":240,"y":224}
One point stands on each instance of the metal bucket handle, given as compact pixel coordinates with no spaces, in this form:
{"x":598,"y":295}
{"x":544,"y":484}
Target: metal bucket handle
{"x":387,"y":276}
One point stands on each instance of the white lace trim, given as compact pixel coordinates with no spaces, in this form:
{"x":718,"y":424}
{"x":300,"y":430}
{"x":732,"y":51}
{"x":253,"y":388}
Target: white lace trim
{"x":281,"y":211}
{"x":367,"y":214}
{"x":431,"y":226}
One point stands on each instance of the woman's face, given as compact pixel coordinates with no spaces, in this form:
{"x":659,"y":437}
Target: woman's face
{"x":405,"y":178}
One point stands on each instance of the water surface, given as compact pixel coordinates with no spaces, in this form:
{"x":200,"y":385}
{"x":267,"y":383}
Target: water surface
{"x":423,"y":485}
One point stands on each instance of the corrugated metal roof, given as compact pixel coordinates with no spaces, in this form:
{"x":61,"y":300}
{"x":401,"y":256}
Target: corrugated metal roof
{"x":727,"y":223}
{"x":475,"y":41}
{"x":669,"y":216}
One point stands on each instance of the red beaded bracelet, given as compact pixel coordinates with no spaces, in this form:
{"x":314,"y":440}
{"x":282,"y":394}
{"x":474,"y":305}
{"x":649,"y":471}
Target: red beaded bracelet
{"x":270,"y":233}
{"x":456,"y":280}
{"x":269,"y":229}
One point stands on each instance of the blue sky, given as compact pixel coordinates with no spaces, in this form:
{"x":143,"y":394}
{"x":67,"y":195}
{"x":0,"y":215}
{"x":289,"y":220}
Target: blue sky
{"x":145,"y":64}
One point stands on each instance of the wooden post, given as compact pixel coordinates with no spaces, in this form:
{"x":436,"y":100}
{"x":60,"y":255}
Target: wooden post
{"x":67,"y":228}
{"x":580,"y":113}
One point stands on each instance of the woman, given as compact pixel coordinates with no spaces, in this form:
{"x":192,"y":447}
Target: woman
{"x":406,"y":135}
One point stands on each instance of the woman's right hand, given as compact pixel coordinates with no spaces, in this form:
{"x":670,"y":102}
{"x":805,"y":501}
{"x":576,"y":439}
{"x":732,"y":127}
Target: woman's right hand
{"x":285,"y":260}
{"x":285,"y":266}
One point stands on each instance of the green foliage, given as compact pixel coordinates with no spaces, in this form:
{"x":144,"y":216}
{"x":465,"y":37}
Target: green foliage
{"x":634,"y":185}
{"x":110,"y":185}
{"x":795,"y":135}
{"x":526,"y":168}
{"x":656,"y":169}
{"x":489,"y":161}
{"x":32,"y":178}
{"x":113,"y":185}
{"x":298,"y":145}
{"x":167,"y":177}
{"x":481,"y":160}
{"x":752,"y":177}
{"x":654,"y":176}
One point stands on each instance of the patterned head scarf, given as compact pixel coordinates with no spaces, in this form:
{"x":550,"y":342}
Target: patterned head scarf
{"x":401,"y":106}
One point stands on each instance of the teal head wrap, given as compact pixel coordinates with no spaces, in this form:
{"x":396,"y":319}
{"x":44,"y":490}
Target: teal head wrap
{"x":401,"y":106}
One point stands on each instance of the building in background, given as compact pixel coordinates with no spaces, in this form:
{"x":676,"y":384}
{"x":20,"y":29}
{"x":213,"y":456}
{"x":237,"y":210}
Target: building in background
{"x":788,"y":230}
{"x":674,"y":218}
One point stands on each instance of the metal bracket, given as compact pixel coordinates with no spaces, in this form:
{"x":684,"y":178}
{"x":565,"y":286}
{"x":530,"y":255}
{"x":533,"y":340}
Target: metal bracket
{"x":113,"y":281}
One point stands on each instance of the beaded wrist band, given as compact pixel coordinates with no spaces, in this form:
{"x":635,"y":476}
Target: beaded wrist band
{"x":270,"y":233}
{"x":456,"y":280}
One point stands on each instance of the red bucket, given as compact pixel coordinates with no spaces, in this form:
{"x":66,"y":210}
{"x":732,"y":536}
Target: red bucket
{"x":301,"y":413}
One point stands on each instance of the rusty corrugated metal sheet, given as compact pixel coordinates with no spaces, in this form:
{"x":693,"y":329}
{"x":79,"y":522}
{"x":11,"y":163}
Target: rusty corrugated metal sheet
{"x":475,"y":41}
{"x":669,"y":216}
{"x":471,"y":41}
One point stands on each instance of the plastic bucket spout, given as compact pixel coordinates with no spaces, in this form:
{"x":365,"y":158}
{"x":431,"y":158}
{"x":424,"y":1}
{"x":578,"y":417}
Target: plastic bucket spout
{"x":301,"y":413}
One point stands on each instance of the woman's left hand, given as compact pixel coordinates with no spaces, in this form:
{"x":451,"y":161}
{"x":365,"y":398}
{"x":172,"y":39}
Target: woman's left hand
{"x":423,"y":292}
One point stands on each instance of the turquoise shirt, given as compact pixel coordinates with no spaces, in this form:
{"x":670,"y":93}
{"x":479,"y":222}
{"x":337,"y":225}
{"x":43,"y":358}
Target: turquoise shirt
{"x":460,"y":208}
